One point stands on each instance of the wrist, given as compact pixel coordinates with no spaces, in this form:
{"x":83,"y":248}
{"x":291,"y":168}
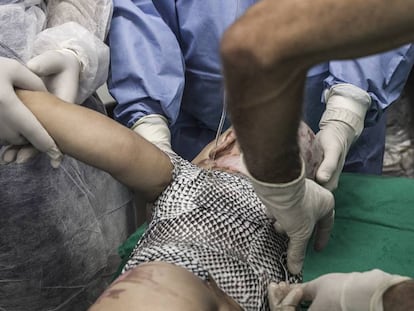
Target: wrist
{"x":389,"y":289}
{"x":364,"y":290}
{"x":154,"y":128}
{"x":354,"y":98}
{"x":287,"y":193}
{"x":74,"y":54}
{"x":346,"y":103}
{"x":275,"y":168}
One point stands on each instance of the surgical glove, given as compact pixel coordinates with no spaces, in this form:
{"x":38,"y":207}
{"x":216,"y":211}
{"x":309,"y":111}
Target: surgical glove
{"x":59,"y":70}
{"x":340,"y":126}
{"x":298,"y":206}
{"x":283,"y":296}
{"x":349,"y":291}
{"x":18,"y":125}
{"x":154,"y":128}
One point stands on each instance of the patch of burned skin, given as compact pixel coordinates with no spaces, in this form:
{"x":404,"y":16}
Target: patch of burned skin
{"x":229,"y":158}
{"x":114,"y":293}
{"x":156,"y":277}
{"x":309,"y":150}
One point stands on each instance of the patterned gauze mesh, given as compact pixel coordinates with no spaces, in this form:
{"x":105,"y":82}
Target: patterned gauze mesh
{"x":213,"y":224}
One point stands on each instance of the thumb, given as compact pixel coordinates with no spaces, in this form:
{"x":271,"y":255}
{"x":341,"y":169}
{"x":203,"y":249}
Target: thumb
{"x":45,"y":64}
{"x":24,"y":79}
{"x":296,"y":254}
{"x":323,"y":230}
{"x":309,"y":290}
{"x":329,"y":165}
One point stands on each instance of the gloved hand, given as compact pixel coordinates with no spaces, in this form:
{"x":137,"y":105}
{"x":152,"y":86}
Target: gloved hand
{"x":298,"y":206}
{"x":340,"y":125}
{"x":18,"y":125}
{"x":284,"y":297}
{"x":349,"y":291}
{"x":154,"y":128}
{"x":59,"y":70}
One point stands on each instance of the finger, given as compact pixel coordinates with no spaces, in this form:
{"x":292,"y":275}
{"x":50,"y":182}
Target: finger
{"x":46,"y":64}
{"x":10,"y":136}
{"x":309,"y":290}
{"x":278,"y":227}
{"x":293,"y":298}
{"x":296,"y":253}
{"x":31,"y":128}
{"x":55,"y":156}
{"x":274,"y":295}
{"x":223,"y":145}
{"x":283,"y":289}
{"x":329,"y":165}
{"x":283,"y":297}
{"x":332,"y":183}
{"x":9,"y":154}
{"x":60,"y":71}
{"x":323,"y":230}
{"x":268,"y":213}
{"x":24,"y":79}
{"x":64,"y":91}
{"x":26,"y":153}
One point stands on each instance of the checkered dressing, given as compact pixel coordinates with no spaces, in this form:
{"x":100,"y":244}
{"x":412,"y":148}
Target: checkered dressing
{"x":213,"y":224}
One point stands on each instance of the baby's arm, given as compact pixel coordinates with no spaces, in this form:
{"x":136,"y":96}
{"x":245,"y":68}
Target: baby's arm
{"x":101,"y":142}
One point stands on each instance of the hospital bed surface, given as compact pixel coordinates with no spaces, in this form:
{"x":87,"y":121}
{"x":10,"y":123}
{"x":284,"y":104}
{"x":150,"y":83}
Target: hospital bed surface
{"x":374,"y":228}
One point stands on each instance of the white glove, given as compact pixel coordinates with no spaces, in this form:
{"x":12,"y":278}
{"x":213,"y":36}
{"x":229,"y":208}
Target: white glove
{"x":298,"y":206}
{"x":340,"y":125}
{"x":91,"y":51}
{"x":154,"y":128}
{"x":18,"y":125}
{"x":59,"y":70}
{"x":349,"y":291}
{"x":283,"y":296}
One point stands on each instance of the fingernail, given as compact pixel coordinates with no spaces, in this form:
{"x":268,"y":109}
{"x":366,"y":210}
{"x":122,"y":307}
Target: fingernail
{"x":55,"y":156}
{"x":55,"y":162}
{"x":54,"y":153}
{"x":8,"y":157}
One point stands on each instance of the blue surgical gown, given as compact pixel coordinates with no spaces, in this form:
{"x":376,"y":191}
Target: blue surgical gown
{"x":165,"y":60}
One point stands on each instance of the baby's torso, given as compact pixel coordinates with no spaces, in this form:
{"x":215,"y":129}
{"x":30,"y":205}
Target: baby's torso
{"x":212,"y":224}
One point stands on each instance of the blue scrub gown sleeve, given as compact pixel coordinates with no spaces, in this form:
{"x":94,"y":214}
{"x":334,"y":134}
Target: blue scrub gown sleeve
{"x":147,"y":66}
{"x":383,"y":76}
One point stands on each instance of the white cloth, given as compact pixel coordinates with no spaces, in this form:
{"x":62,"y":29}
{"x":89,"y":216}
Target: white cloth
{"x":75,"y":24}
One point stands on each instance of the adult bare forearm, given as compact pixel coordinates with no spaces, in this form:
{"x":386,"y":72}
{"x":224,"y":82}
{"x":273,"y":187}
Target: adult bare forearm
{"x":264,"y":97}
{"x":267,"y":52}
{"x":260,"y":112}
{"x":320,"y":30}
{"x":399,"y":297}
